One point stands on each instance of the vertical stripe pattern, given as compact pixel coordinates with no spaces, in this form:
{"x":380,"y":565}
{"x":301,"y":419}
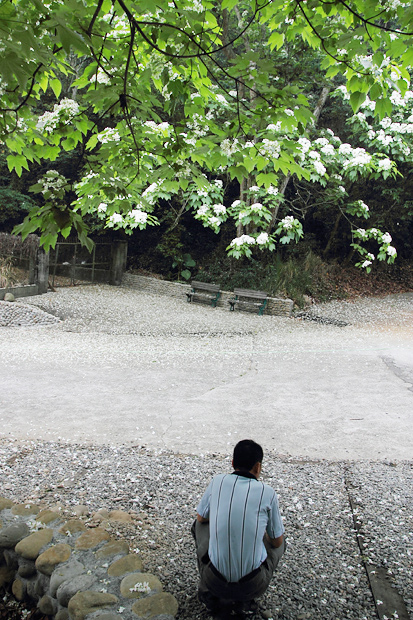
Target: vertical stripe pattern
{"x":240,"y":511}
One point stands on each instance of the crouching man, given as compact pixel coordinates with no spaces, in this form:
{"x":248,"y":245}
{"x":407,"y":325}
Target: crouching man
{"x":238,"y":533}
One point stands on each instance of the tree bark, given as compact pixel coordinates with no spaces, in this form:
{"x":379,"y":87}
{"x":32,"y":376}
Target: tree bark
{"x":284,"y":183}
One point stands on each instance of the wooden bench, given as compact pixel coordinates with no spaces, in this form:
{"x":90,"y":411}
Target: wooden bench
{"x":204,"y":292}
{"x":247,"y":298}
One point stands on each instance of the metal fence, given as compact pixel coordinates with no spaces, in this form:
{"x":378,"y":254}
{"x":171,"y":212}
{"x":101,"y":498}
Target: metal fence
{"x":71,"y":260}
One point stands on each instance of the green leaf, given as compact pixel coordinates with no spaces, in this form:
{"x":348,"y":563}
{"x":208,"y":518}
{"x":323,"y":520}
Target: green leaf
{"x":186,"y":274}
{"x":56,"y":87}
{"x":356,"y":99}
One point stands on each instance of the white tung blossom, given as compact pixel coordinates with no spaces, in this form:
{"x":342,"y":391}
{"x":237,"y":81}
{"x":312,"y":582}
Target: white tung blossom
{"x":219,"y":209}
{"x":244,"y":239}
{"x":116,"y":218}
{"x":139,"y":216}
{"x":262,"y":238}
{"x":63,"y":112}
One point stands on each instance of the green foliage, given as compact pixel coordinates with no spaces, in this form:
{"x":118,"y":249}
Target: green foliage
{"x":160,"y":99}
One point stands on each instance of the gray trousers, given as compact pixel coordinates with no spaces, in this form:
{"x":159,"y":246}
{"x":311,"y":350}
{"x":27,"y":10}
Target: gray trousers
{"x":244,"y":590}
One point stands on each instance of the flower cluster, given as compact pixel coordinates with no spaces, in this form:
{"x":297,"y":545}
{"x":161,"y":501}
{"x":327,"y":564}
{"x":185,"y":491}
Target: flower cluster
{"x":53,"y":184}
{"x":386,"y":252}
{"x":108,"y":135}
{"x":63,"y":113}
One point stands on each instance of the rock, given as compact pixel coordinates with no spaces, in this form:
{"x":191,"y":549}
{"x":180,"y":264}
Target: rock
{"x":9,"y":297}
{"x":11,"y":535}
{"x":25,"y":509}
{"x":19,"y":589}
{"x":128,"y":564}
{"x":72,"y":526}
{"x":47,"y":516}
{"x":138,"y":585}
{"x":70,"y":587}
{"x":62,"y":614}
{"x":26,"y":568}
{"x":156,"y":605}
{"x":84,"y":603}
{"x":81,"y":510}
{"x":100,"y":514}
{"x":11,"y":559}
{"x":120,"y":515}
{"x":106,"y":615}
{"x":30,"y":546}
{"x":63,"y":573}
{"x":47,"y":605}
{"x":114,"y":547}
{"x":91,"y":539}
{"x":47,"y":561}
{"x":5,"y":503}
{"x":6,"y":576}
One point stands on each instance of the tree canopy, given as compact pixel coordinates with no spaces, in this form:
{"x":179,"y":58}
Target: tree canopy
{"x":177,"y":98}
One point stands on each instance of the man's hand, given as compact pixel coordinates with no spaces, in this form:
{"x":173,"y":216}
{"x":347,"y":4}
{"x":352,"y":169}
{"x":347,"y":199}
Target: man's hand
{"x":201,"y":519}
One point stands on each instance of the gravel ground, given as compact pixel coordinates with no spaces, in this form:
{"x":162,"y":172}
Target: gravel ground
{"x":323,"y":575}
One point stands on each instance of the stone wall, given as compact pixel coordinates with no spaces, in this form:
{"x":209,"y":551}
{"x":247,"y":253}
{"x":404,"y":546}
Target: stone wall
{"x":275,"y":306}
{"x":70,"y":571}
{"x":20,"y":291}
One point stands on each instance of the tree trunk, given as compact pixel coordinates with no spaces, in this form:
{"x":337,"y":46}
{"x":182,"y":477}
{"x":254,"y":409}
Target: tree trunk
{"x":284,"y":183}
{"x":332,"y":235}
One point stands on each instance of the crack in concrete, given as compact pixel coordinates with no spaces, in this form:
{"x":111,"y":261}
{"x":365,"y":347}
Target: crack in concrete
{"x":404,"y":373}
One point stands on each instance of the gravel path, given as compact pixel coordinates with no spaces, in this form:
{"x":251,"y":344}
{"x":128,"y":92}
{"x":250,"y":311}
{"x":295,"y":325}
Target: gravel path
{"x":323,"y":575}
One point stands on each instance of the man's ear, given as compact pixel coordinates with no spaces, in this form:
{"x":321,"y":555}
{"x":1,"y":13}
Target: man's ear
{"x":256,"y":470}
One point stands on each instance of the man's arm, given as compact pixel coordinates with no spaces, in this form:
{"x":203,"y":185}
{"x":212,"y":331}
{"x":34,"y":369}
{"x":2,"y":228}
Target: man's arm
{"x":201,"y":519}
{"x":274,"y":542}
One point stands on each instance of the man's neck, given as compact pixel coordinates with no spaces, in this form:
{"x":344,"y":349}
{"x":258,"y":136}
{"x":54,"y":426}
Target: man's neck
{"x":244,"y":473}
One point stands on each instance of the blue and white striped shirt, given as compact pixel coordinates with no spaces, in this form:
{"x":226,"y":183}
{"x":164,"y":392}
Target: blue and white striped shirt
{"x":240,"y":510}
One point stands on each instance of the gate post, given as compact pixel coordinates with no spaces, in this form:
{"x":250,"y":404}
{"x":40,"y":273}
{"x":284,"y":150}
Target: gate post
{"x":118,"y":264}
{"x":42,"y":270}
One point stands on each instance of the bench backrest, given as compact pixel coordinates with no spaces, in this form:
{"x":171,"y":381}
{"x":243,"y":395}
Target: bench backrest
{"x":246,"y":292}
{"x":205,"y":286}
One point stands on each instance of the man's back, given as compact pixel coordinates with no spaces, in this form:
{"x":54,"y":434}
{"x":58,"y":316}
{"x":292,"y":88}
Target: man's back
{"x":240,"y":510}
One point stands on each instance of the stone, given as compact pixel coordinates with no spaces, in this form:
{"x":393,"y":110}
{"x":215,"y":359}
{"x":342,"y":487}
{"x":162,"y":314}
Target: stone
{"x":48,"y":560}
{"x":19,"y":589}
{"x":84,"y":603}
{"x":106,"y":615}
{"x":25,"y":510}
{"x":30,"y":546}
{"x":156,"y":605}
{"x":26,"y":568}
{"x":68,"y":588}
{"x":72,"y":526}
{"x":100,"y":514}
{"x":62,"y":614}
{"x":91,"y":539}
{"x":62,"y":573}
{"x":11,"y":558}
{"x":81,"y":510}
{"x":128,"y":564}
{"x":114,"y":547}
{"x":9,"y":297}
{"x":47,"y":516}
{"x":6,"y":576}
{"x":47,"y":605}
{"x":5,"y":503}
{"x":120,"y":515}
{"x":138,"y":585}
{"x":11,"y":535}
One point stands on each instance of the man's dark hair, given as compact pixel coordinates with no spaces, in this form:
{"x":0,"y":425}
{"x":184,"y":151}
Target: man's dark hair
{"x":246,"y":453}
